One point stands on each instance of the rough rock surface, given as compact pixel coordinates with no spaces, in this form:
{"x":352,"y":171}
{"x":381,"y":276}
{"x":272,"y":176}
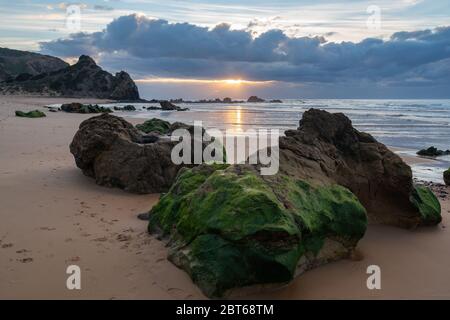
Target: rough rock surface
{"x":116,"y":154}
{"x":327,"y":149}
{"x":228,"y":227}
{"x":76,"y":107}
{"x":169,"y":106}
{"x":83,"y":79}
{"x":15,"y":64}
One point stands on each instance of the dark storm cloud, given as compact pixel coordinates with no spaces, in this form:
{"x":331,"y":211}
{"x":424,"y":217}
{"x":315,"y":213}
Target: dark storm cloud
{"x":144,"y":46}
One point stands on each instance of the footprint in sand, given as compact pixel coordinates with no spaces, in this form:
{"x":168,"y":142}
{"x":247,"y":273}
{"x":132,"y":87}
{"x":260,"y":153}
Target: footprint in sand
{"x":73,"y":259}
{"x":25,"y":260}
{"x":102,"y":239}
{"x":124,"y":237}
{"x":7,"y":245}
{"x":22,"y":251}
{"x":47,"y":228}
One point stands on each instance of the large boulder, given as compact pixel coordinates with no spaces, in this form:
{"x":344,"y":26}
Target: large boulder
{"x":327,"y":149}
{"x":229,"y":227}
{"x":116,"y":154}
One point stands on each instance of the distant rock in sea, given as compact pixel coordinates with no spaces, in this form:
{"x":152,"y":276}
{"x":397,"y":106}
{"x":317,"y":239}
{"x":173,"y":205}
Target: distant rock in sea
{"x":116,"y":154}
{"x":255,"y":99}
{"x":169,"y":106}
{"x":76,"y":107}
{"x":83,"y":79}
{"x":447,"y":177}
{"x":16,"y":65}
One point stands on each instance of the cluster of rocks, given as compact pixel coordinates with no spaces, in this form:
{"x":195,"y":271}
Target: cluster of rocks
{"x":169,"y":106}
{"x":228,"y":226}
{"x":433,"y":152}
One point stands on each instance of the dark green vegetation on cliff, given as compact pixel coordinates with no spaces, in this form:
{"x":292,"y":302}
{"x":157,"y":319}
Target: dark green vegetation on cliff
{"x":26,"y":65}
{"x":83,"y":79}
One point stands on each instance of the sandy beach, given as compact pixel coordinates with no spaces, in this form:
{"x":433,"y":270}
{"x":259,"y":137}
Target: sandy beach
{"x":52,"y":216}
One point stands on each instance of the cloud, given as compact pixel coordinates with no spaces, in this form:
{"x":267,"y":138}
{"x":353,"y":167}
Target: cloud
{"x":146,"y":46}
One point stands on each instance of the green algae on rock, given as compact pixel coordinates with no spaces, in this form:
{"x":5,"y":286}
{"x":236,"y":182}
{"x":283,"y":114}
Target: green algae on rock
{"x":154,"y":125}
{"x":427,"y":204}
{"x":447,"y":177}
{"x":229,"y":227}
{"x":30,"y":114}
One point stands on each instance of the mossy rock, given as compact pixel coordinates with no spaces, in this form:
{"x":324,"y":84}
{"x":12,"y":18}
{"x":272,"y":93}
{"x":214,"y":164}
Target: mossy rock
{"x":30,"y":114}
{"x":229,"y":227}
{"x":447,"y":177}
{"x":427,"y":204}
{"x":154,"y":125}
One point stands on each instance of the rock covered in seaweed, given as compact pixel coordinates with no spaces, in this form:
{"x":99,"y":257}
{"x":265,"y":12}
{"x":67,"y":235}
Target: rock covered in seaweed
{"x":229,"y":227}
{"x":433,"y":152}
{"x":76,"y":107}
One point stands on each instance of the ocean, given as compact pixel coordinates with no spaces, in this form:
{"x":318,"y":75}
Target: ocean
{"x":409,"y":125}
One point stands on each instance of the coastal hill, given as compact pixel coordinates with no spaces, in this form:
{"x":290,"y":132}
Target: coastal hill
{"x":85,"y":79}
{"x":15,"y":62}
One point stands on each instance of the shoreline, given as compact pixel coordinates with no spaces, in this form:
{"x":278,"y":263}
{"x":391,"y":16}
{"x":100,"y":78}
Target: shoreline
{"x":53,"y":216}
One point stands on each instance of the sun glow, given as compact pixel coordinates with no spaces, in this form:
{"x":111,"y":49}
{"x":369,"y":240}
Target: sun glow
{"x":230,"y":82}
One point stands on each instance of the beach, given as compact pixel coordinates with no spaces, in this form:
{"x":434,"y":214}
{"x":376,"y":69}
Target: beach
{"x":52,"y":217}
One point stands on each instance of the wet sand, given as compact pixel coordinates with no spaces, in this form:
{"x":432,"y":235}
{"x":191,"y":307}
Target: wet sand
{"x":52,"y":216}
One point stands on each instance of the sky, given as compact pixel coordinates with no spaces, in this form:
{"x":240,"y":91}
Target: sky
{"x":274,"y":49}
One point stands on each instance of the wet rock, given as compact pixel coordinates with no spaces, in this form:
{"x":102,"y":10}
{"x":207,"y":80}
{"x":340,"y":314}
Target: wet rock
{"x":76,"y":107}
{"x":169,"y":106}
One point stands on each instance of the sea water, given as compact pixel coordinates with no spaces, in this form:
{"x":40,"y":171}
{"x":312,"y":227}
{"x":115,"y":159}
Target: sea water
{"x":407,"y":124}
